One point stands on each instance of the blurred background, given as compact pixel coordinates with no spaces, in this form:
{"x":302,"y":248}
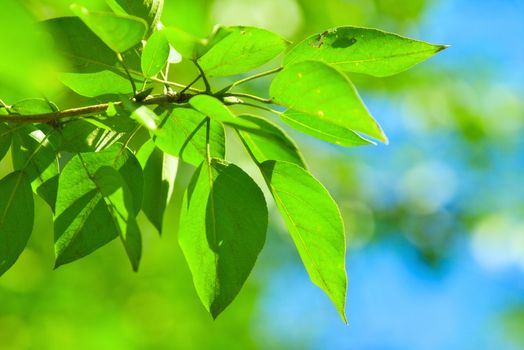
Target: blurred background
{"x":435,"y":219}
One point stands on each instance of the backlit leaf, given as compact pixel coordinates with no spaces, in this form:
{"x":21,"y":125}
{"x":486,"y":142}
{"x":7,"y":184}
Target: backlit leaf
{"x":266,"y":141}
{"x":316,"y":89}
{"x":16,"y":217}
{"x":363,"y":50}
{"x":5,"y":139}
{"x":222,"y":230}
{"x":35,"y":152}
{"x":183,"y":134}
{"x":148,"y":10}
{"x":159,"y":178}
{"x":118,"y":31}
{"x":241,"y":49}
{"x":83,"y":221}
{"x":98,"y":83}
{"x":119,"y":202}
{"x":155,"y":54}
{"x":314,"y":222}
{"x":216,"y":110}
{"x":33,"y":106}
{"x":312,"y":125}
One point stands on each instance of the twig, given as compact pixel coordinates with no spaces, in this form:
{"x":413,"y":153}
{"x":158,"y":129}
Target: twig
{"x":89,"y":110}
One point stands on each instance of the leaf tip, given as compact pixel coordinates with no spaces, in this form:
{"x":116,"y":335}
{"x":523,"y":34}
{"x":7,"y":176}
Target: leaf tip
{"x":442,"y":47}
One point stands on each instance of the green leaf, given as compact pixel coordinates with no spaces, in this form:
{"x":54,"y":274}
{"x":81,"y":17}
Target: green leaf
{"x":312,"y":125}
{"x":35,"y":153}
{"x":155,"y":54}
{"x":34,"y":106}
{"x":119,"y":32}
{"x":83,"y":221}
{"x":363,"y":50}
{"x":85,"y":52}
{"x":183,"y":42}
{"x":95,"y":84}
{"x":314,"y":222}
{"x":148,"y":10}
{"x":268,"y":142}
{"x":222,"y":230}
{"x":5,"y":139}
{"x":216,"y":110}
{"x":119,"y":202}
{"x":183,"y":134}
{"x":326,"y":95}
{"x":145,"y":117}
{"x":159,"y":179}
{"x":16,"y":217}
{"x":241,"y":49}
{"x":82,"y":136}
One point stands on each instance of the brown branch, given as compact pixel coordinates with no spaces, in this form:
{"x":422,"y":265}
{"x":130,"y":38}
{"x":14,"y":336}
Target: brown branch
{"x":90,"y":110}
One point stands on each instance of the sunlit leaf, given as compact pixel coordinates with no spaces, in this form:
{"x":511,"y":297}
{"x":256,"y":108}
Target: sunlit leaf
{"x":241,"y":49}
{"x":82,"y":136}
{"x":155,"y":54}
{"x":5,"y":139}
{"x":98,"y":83}
{"x":311,"y":125}
{"x":322,"y":92}
{"x":119,"y":203}
{"x":222,"y":230}
{"x":314,"y":222}
{"x":363,"y":50}
{"x":159,"y":178}
{"x":216,"y":110}
{"x":266,"y":141}
{"x":85,"y":52}
{"x":36,"y":154}
{"x":146,"y":117}
{"x":16,"y":217}
{"x":83,"y":222}
{"x":183,"y":134}
{"x":149,"y":10}
{"x":119,"y":32}
{"x":33,"y":106}
{"x":184,"y":43}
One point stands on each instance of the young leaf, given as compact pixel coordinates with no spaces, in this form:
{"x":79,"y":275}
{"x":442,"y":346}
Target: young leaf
{"x":222,"y":230}
{"x":146,"y":117}
{"x":216,"y":110}
{"x":363,"y":50}
{"x":312,"y":125}
{"x":314,"y":222}
{"x":241,"y":49}
{"x":35,"y":153}
{"x":95,"y":84}
{"x":83,"y":221}
{"x":5,"y":139}
{"x":119,"y":32}
{"x":268,"y":142}
{"x":155,"y":54}
{"x":149,"y":10}
{"x":119,"y":202}
{"x":159,"y":179}
{"x":324,"y":94}
{"x":183,"y":134}
{"x":16,"y":217}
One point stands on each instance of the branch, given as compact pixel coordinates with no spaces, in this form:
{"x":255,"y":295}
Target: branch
{"x":90,"y":110}
{"x":253,"y":77}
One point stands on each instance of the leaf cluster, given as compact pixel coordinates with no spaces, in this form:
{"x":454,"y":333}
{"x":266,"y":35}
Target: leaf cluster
{"x":98,"y":166}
